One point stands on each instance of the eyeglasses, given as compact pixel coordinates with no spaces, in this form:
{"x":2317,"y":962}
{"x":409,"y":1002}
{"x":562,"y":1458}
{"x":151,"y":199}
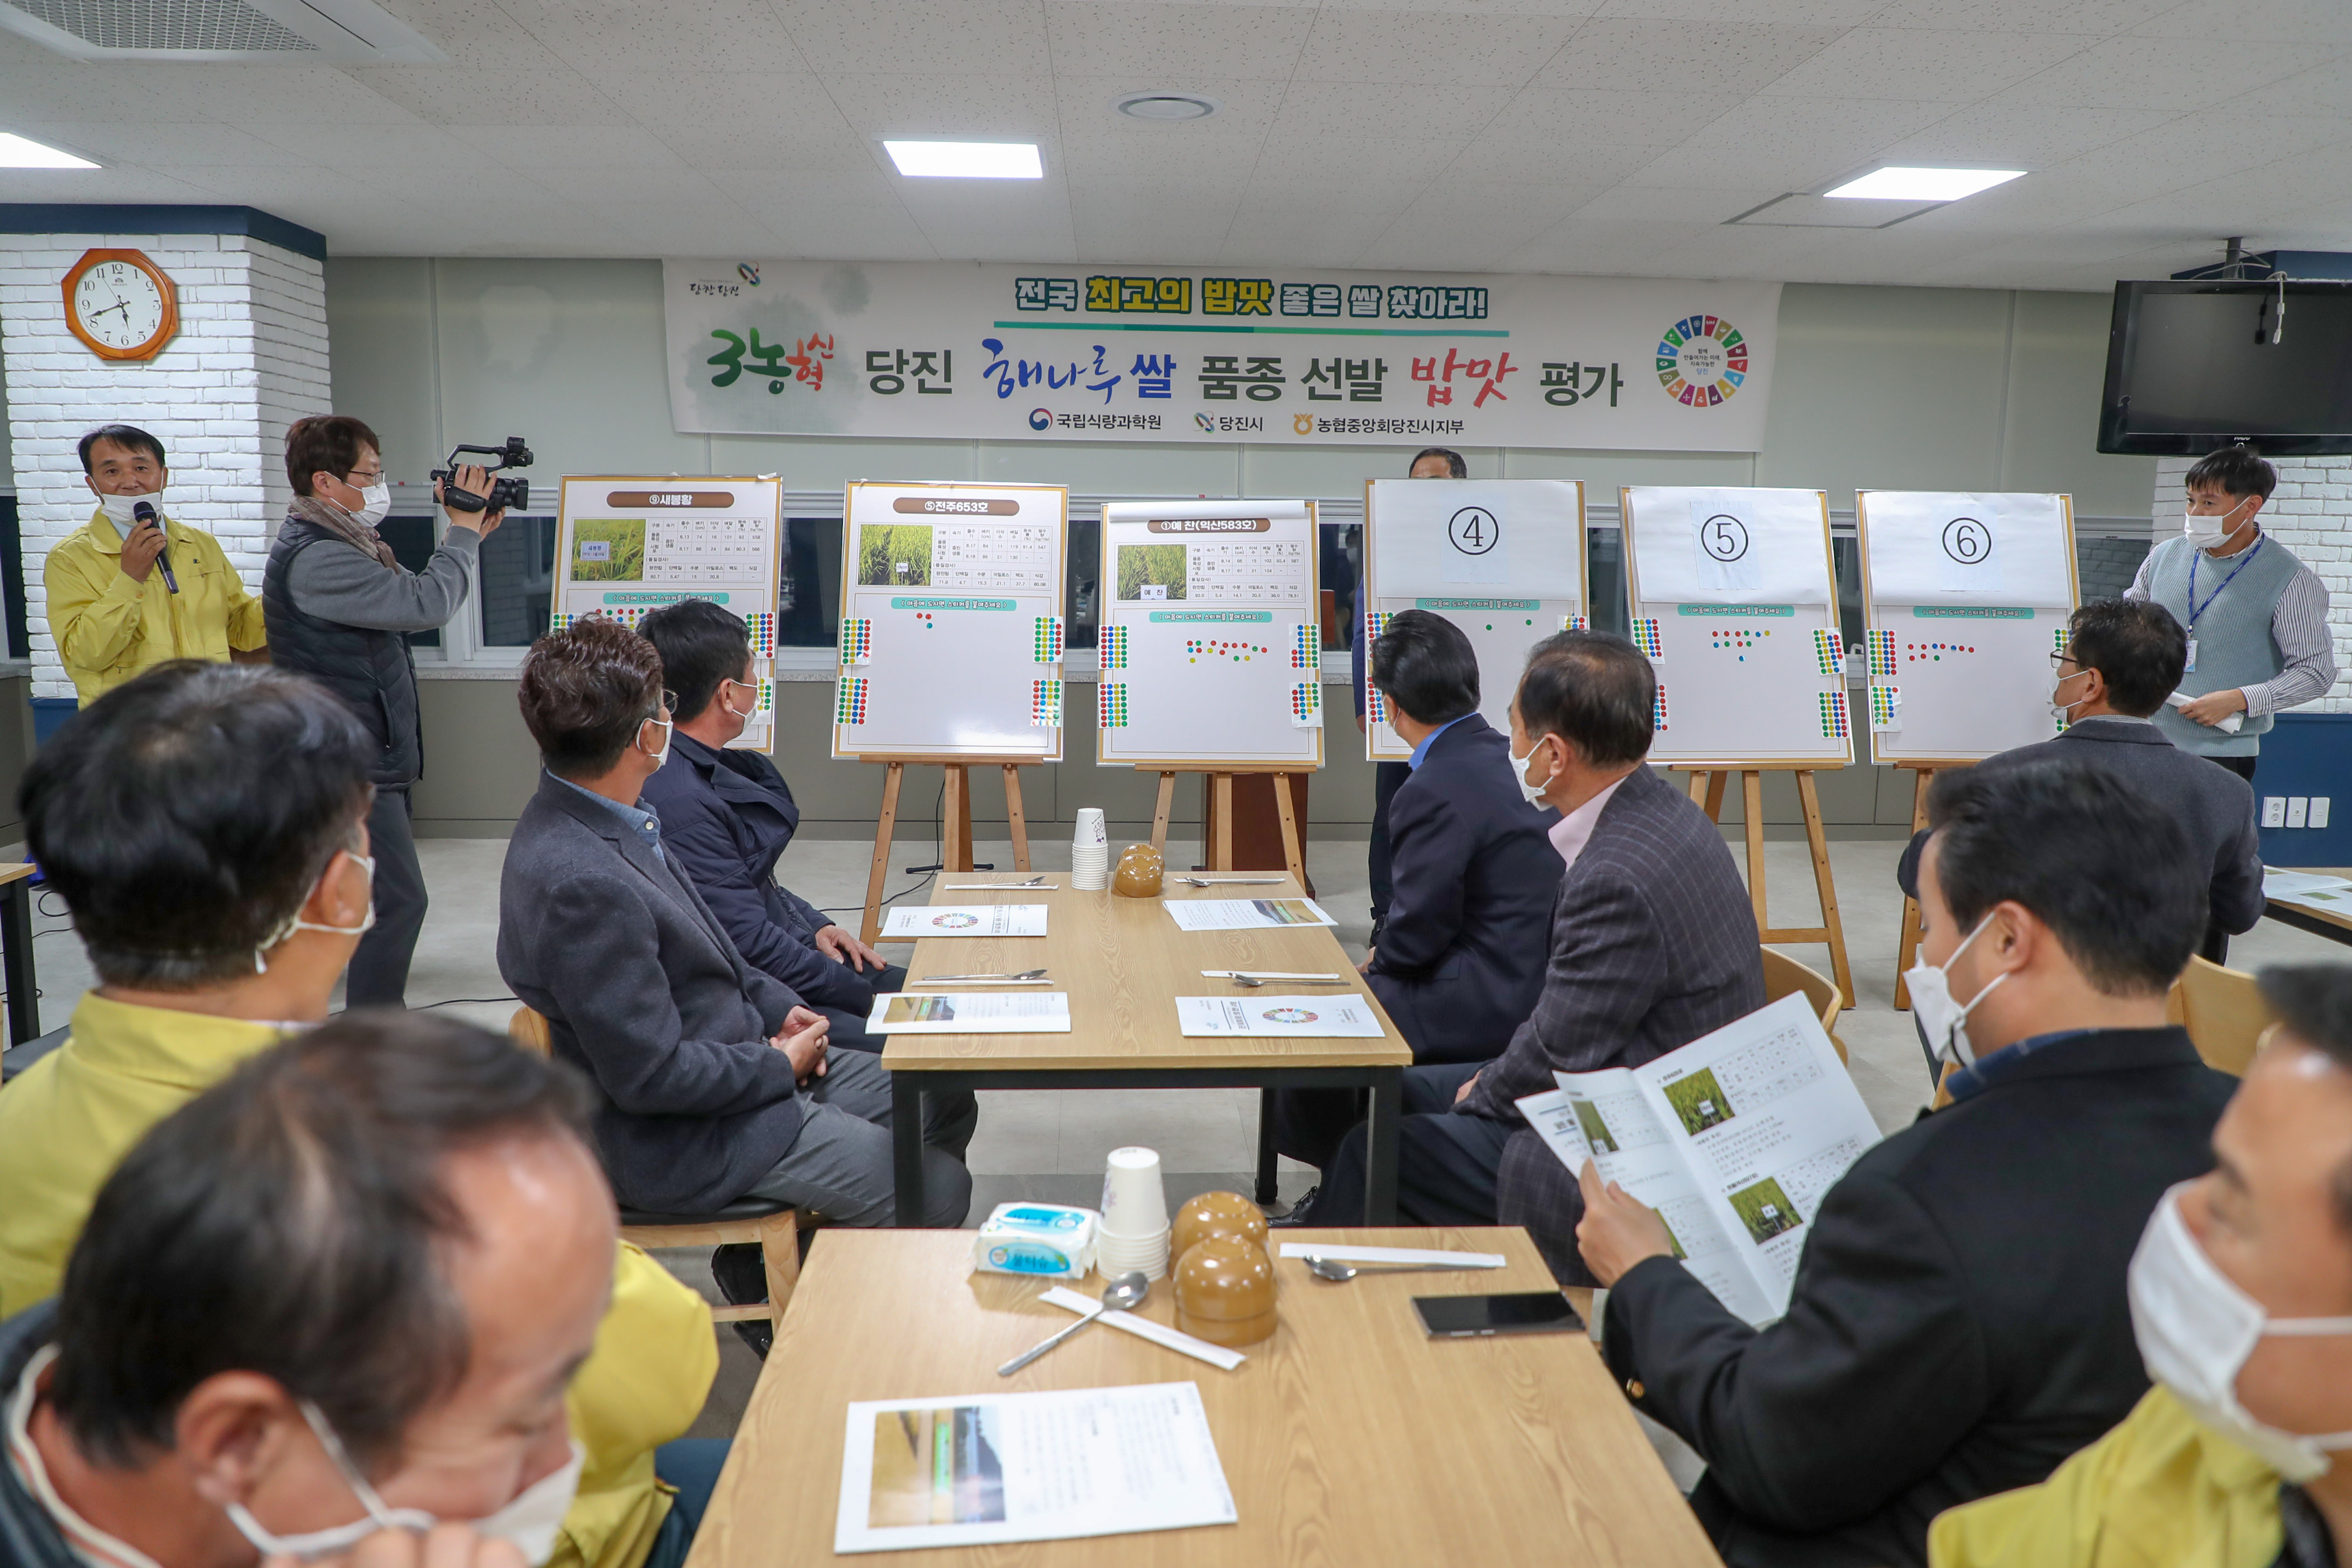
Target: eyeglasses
{"x":2063,"y":658}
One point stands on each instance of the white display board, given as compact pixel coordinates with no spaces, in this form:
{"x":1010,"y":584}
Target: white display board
{"x":1502,"y":559}
{"x":628,"y":544}
{"x":1210,"y":649}
{"x":1734,"y":597}
{"x":1965,"y":597}
{"x":951,"y":629}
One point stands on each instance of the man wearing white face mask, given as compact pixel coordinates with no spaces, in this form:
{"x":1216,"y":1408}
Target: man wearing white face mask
{"x":2242,"y":1302}
{"x":1958,"y":1323}
{"x":124,"y":594}
{"x":2257,"y":617}
{"x":331,"y":1306}
{"x":339,"y":608}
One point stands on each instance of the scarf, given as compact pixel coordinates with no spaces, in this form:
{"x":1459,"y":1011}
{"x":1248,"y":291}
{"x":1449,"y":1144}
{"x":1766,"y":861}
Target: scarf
{"x":359,"y":535}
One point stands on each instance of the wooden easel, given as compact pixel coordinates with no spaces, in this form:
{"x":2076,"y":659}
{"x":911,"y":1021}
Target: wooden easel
{"x":1220,"y":815}
{"x":956,"y":815}
{"x":1913,"y":926}
{"x":1706,"y":787}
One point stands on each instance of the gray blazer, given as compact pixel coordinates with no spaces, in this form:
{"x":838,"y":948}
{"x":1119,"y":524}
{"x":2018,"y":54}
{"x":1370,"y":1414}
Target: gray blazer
{"x":643,"y":989}
{"x":1653,"y":945}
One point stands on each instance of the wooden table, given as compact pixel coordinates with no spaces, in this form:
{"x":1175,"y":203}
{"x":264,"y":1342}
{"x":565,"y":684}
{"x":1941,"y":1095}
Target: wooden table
{"x":1349,"y":1439}
{"x":1123,"y":962}
{"x":2311,"y":918}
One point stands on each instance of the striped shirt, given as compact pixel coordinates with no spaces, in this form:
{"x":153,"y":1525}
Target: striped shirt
{"x":2299,"y":628}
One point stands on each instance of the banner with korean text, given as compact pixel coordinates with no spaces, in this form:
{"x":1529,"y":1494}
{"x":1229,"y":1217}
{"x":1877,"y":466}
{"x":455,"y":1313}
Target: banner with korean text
{"x":1275,"y":354}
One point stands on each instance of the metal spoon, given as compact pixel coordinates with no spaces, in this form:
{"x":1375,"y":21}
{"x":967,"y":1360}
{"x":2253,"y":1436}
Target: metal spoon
{"x":1231,"y":881}
{"x":1254,"y":981}
{"x":1022,"y":977}
{"x":1127,"y":1290}
{"x":1341,"y":1273}
{"x":968,"y":887}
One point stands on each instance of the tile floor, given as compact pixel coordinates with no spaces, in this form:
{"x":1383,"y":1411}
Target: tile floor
{"x":1050,"y":1144}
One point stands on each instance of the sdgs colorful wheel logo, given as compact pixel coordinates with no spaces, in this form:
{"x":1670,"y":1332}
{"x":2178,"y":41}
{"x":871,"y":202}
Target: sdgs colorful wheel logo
{"x":1702,"y":360}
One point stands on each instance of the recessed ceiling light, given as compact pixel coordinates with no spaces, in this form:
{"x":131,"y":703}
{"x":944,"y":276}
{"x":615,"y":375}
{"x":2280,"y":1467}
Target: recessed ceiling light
{"x":15,"y":153}
{"x":967,"y":160}
{"x":1910,"y":184}
{"x":1166,"y":106}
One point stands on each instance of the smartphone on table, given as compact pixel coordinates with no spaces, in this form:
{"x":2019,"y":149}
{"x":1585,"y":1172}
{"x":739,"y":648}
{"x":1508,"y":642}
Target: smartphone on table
{"x":1478,"y":1317}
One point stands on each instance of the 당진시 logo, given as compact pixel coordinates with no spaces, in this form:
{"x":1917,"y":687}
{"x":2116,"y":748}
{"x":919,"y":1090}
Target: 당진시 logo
{"x":1702,"y":360}
{"x":1041,"y":419}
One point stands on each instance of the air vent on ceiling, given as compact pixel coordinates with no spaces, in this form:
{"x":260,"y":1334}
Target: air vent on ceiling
{"x":338,"y":32}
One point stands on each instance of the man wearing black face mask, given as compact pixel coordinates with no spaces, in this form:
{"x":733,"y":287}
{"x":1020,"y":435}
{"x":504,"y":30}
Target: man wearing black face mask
{"x":2257,"y":617}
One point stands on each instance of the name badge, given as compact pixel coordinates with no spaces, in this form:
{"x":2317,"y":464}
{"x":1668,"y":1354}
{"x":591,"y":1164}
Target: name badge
{"x":2190,"y":668}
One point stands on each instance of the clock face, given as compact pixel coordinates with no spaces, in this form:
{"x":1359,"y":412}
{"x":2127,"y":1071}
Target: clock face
{"x":118,"y":305}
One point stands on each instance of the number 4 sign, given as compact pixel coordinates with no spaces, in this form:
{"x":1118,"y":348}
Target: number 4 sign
{"x":1475,"y":549}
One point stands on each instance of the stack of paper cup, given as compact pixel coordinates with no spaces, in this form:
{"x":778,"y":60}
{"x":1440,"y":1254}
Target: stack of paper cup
{"x":1135,"y":1225}
{"x":1090,"y":856}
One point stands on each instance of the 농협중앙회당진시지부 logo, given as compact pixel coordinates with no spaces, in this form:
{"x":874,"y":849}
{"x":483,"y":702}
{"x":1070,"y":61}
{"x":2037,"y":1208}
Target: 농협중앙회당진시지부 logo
{"x":1702,"y":360}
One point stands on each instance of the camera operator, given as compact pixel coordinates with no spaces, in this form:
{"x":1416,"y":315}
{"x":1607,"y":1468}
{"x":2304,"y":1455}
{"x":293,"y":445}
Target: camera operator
{"x":339,"y":609}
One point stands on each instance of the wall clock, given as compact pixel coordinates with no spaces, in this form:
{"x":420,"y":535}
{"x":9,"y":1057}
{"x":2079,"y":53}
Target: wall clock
{"x":121,"y":305}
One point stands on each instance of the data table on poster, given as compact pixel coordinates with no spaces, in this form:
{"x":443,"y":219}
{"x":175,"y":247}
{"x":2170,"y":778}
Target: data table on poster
{"x":1965,"y":597}
{"x":1209,"y":646}
{"x":952,"y":634}
{"x":1501,"y":559}
{"x":629,"y":545}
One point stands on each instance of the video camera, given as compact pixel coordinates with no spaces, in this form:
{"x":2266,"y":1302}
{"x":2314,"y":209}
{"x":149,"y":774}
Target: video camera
{"x":506,"y":495}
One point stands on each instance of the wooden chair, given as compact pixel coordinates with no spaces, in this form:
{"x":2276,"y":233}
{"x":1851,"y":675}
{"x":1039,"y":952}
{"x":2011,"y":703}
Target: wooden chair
{"x":2224,"y":1012}
{"x":1783,"y":975}
{"x":774,"y":1227}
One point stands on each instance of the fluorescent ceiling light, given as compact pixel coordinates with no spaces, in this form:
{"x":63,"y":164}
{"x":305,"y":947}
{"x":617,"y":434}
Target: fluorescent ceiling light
{"x":1903,"y":185}
{"x":967,"y":160}
{"x":15,"y":153}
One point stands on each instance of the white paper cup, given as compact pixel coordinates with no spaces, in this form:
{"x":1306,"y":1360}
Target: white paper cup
{"x":1091,"y":827}
{"x":1148,"y":1255}
{"x":1135,"y":1205}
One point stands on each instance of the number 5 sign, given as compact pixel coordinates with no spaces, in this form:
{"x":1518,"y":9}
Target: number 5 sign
{"x":1726,"y":565}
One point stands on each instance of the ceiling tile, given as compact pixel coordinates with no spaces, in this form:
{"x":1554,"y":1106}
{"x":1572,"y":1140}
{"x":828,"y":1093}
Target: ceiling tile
{"x":1373,"y":112}
{"x":1111,"y":37}
{"x":1084,"y":103}
{"x":585,"y":34}
{"x":1924,"y":63}
{"x":2024,"y":136}
{"x":569,"y":146}
{"x":446,"y":95}
{"x":1629,"y":54}
{"x":2246,"y":21}
{"x":1494,"y":157}
{"x":1372,"y":166}
{"x":2143,"y":73}
{"x":989,"y":39}
{"x":1750,"y":13}
{"x":957,"y":104}
{"x":1190,"y":152}
{"x":2095,"y":18}
{"x":1472,"y":53}
{"x":413,"y":146}
{"x":1541,"y":118}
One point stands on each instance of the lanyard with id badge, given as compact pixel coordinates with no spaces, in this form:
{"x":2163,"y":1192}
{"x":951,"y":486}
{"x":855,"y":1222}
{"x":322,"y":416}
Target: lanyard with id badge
{"x":2195,"y":610}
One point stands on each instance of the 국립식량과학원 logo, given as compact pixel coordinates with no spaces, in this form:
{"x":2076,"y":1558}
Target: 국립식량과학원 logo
{"x":1041,"y":419}
{"x":1702,"y":360}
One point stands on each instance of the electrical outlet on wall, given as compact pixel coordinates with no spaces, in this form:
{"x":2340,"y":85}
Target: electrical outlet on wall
{"x":2273,"y":810}
{"x":2318,"y":811}
{"x":2298,"y":810}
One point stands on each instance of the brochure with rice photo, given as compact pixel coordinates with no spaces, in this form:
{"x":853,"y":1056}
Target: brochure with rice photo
{"x":1733,"y":1140}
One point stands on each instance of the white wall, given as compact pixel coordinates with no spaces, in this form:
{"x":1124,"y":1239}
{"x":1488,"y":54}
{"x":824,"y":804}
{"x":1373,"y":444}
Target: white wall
{"x":1943,"y":388}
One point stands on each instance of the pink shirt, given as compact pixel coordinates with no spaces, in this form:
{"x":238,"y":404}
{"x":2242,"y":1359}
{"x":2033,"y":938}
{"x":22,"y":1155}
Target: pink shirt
{"x":1572,"y":832}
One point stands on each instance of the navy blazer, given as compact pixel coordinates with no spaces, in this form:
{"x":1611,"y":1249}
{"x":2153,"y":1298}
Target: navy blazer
{"x":2214,"y":806}
{"x":1461,"y":956}
{"x":725,"y":816}
{"x":1959,"y":1323}
{"x":644,"y":992}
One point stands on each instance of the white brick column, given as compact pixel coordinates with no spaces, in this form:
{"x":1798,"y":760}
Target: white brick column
{"x":2311,"y":514}
{"x":250,"y":357}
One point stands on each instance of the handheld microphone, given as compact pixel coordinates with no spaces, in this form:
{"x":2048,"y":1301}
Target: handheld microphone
{"x":145,"y":513}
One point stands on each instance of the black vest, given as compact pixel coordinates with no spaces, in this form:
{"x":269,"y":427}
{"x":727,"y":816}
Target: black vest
{"x":369,"y":669}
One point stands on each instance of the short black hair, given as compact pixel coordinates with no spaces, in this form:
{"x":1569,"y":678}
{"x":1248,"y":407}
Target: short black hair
{"x":185,"y":815}
{"x":1455,"y":467}
{"x":293,"y":1221}
{"x":1423,"y":663}
{"x":2136,"y":645}
{"x":2096,"y":860}
{"x":2314,"y":1004}
{"x":2238,"y":468}
{"x":1595,"y":691}
{"x":700,"y":645}
{"x":130,"y":437}
{"x":326,"y":444}
{"x":585,"y":692}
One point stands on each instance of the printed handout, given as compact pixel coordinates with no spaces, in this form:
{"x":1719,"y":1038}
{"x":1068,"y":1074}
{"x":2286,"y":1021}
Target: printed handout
{"x":1732,"y":1140}
{"x":908,"y":921}
{"x":1347,"y":1015}
{"x":1243,"y":914}
{"x":971,"y":1013}
{"x":976,"y":1470}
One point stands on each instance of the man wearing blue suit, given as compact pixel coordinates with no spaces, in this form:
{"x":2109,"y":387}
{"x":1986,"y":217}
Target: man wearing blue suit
{"x":1459,"y":959}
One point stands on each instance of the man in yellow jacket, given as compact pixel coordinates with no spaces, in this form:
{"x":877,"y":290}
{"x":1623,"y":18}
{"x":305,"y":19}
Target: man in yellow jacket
{"x":207,"y":826}
{"x":2241,"y":1302}
{"x":124,"y":595}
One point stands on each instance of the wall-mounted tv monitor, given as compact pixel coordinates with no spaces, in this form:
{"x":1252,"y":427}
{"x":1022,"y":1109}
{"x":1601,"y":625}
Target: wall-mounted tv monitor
{"x":2191,"y":366}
